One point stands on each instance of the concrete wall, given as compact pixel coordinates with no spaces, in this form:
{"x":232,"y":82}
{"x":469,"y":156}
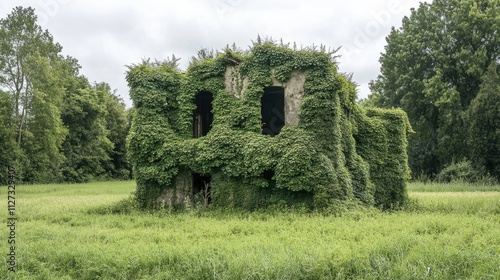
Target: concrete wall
{"x":294,"y":90}
{"x":183,"y":189}
{"x":234,"y":83}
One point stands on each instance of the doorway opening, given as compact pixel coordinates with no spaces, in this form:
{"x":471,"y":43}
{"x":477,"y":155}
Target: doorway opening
{"x":201,"y":187}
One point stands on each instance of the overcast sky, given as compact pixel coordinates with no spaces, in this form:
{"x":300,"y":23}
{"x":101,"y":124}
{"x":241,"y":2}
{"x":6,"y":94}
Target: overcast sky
{"x":107,"y":35}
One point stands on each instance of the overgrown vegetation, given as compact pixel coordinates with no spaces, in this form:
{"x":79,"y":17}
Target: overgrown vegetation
{"x":92,"y":231}
{"x":55,"y":126}
{"x":453,"y":187}
{"x":337,"y":152}
{"x":442,"y":68}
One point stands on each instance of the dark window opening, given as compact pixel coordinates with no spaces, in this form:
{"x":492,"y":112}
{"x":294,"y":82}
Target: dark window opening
{"x":273,"y":110}
{"x":201,"y":184}
{"x":268,"y":174}
{"x":203,"y":116}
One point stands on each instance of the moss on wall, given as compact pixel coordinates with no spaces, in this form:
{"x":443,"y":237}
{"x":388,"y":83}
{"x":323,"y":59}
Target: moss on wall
{"x":336,"y":151}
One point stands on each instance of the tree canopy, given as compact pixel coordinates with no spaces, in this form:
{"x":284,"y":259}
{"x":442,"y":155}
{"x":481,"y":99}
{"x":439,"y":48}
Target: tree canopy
{"x":433,"y":68}
{"x":54,"y":125}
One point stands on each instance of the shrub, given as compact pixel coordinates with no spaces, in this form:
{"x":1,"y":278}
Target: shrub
{"x":460,"y":171}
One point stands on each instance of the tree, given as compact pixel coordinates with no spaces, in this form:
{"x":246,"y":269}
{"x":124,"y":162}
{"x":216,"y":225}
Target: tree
{"x":484,"y":124}
{"x":43,"y":133}
{"x":7,"y":132}
{"x":22,"y":41}
{"x":118,"y":127}
{"x":87,"y":147}
{"x":97,"y":129}
{"x":54,"y":124}
{"x":432,"y":68}
{"x":29,"y":61}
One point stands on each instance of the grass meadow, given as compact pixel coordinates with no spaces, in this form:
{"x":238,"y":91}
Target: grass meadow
{"x":88,"y":231}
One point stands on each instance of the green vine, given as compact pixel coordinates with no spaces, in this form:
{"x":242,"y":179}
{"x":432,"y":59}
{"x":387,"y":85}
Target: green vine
{"x":337,"y":152}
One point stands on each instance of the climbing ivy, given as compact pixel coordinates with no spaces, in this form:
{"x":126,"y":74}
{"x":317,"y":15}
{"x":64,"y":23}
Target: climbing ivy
{"x":337,"y":152}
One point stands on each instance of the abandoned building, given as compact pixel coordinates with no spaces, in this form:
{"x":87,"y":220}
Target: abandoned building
{"x":272,"y":126}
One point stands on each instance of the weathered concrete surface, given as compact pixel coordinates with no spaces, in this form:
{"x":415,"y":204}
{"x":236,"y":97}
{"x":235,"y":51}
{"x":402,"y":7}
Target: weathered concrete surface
{"x":294,"y":91}
{"x":234,"y":83}
{"x":183,"y":189}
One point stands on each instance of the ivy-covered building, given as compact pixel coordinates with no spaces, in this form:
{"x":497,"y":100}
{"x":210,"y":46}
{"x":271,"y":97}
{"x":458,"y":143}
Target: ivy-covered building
{"x":271,"y":126}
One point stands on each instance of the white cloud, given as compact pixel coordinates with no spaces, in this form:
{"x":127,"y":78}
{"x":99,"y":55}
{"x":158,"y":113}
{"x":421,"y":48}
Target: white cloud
{"x":106,"y":35}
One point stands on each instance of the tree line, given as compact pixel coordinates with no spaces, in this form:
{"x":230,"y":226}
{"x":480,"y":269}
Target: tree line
{"x":442,"y":67}
{"x":55,"y":125}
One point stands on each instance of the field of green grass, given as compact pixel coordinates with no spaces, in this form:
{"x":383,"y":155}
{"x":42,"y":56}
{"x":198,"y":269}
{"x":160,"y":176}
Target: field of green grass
{"x":86,"y":231}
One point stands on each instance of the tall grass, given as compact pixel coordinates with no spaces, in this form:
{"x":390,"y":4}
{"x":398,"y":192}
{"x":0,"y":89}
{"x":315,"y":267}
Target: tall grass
{"x":472,"y":203}
{"x":452,"y":187}
{"x":73,"y":232}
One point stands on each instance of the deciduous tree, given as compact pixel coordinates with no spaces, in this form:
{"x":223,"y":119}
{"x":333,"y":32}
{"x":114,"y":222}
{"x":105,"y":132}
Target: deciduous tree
{"x":484,"y":124}
{"x":432,"y":67}
{"x":29,"y":61}
{"x":54,"y":124}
